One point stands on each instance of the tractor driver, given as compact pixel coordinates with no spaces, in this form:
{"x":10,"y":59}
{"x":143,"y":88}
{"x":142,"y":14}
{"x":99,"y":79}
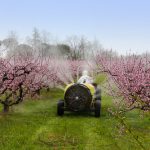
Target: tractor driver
{"x":85,"y":78}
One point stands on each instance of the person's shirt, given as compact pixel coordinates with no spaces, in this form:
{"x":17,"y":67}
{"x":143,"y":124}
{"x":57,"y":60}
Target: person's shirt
{"x":85,"y":79}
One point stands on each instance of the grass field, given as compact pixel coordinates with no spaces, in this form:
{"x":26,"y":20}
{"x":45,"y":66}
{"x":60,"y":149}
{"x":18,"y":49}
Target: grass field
{"x":34,"y":125}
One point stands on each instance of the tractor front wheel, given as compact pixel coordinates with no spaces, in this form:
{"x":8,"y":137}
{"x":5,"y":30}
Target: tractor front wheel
{"x":97,"y":108}
{"x":60,"y":108}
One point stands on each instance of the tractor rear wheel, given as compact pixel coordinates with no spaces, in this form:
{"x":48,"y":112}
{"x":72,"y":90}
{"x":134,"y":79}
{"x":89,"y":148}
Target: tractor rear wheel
{"x":97,"y":108}
{"x":60,"y":108}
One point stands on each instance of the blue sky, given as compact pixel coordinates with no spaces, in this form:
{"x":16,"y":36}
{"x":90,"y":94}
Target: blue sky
{"x":118,"y":24}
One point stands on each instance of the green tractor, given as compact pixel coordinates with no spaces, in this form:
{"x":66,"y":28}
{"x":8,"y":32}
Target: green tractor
{"x":80,"y":98}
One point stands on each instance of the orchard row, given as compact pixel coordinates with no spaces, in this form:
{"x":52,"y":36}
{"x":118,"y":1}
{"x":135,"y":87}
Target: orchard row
{"x":128,"y":77}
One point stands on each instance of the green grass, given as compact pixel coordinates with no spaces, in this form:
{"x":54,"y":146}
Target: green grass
{"x":34,"y":125}
{"x":100,"y":79}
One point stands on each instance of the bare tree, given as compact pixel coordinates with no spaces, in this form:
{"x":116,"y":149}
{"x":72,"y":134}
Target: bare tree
{"x":9,"y":44}
{"x":76,"y":47}
{"x":23,"y":50}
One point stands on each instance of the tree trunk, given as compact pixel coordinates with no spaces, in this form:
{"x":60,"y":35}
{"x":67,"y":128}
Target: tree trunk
{"x":6,"y":109}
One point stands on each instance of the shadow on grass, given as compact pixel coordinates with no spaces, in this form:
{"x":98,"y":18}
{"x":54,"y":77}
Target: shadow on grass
{"x":78,"y":114}
{"x":86,"y":114}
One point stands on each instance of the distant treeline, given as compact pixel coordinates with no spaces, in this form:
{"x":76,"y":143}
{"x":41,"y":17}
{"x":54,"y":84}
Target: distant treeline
{"x":39,"y":43}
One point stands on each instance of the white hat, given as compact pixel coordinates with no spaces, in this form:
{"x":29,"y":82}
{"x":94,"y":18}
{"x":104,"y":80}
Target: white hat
{"x":85,"y":73}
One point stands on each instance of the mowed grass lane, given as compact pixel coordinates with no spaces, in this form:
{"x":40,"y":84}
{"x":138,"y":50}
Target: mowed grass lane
{"x":34,"y":125}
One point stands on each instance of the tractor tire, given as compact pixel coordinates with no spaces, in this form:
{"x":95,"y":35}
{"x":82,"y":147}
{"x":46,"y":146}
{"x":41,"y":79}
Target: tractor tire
{"x":97,"y":108}
{"x":60,"y":108}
